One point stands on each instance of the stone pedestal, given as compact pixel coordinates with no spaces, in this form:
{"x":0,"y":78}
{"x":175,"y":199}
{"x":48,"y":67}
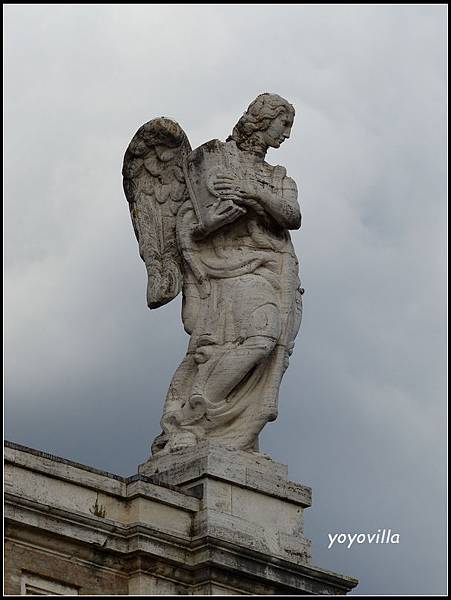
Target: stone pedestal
{"x":250,"y":519}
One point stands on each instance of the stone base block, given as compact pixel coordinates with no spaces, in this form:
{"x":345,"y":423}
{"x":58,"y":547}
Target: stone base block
{"x":246,"y":498}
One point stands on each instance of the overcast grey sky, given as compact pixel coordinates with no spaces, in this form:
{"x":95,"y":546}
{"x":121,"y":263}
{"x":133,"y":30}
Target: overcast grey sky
{"x":362,"y":405}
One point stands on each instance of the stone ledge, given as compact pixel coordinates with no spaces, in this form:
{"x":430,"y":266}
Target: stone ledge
{"x":54,"y":459}
{"x":273,"y":569}
{"x":73,"y":473}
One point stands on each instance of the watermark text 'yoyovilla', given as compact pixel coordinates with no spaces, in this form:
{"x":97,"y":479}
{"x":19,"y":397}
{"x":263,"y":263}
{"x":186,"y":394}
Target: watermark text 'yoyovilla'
{"x":382,"y":536}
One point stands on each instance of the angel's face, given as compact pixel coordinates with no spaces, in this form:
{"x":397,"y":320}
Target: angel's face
{"x":279,"y":130}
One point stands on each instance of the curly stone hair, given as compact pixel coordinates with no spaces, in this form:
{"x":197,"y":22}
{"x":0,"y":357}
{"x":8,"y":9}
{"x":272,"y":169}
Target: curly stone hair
{"x":257,"y":118}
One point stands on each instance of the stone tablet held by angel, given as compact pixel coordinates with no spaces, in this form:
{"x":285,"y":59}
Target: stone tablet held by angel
{"x":214,"y":223}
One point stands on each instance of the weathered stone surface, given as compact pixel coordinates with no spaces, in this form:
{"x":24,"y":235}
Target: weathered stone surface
{"x":70,"y":526}
{"x":246,"y":469}
{"x":246,"y":497}
{"x":214,"y":223}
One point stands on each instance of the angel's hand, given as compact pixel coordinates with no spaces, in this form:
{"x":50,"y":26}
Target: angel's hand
{"x":229,"y":186}
{"x":230,"y":208}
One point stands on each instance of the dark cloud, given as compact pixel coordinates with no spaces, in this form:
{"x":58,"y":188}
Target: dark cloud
{"x":88,"y":365}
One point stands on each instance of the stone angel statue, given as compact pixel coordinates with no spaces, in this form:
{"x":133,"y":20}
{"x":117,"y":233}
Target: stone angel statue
{"x":214,"y":223}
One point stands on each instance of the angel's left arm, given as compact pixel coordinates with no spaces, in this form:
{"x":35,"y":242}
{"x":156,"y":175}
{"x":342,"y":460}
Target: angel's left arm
{"x":282,"y":204}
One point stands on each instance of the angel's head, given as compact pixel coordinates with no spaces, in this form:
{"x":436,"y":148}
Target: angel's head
{"x":266,"y":123}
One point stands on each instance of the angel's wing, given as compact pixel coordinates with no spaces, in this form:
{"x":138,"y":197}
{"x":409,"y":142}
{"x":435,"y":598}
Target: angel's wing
{"x":154,"y":186}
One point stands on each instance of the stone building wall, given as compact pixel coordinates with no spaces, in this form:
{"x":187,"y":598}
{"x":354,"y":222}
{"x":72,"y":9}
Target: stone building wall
{"x":206,"y":522}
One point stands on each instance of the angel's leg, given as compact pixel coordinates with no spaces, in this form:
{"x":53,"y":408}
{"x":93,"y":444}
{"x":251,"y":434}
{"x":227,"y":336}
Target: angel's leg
{"x":227,"y":367}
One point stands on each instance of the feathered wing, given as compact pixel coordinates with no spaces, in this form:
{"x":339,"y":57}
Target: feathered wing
{"x":154,"y":186}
